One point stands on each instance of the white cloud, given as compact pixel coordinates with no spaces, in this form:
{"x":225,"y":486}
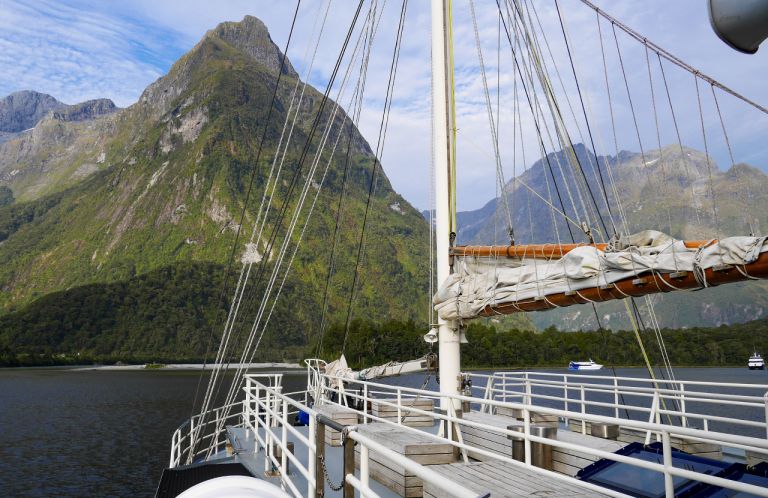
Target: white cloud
{"x":91,"y":49}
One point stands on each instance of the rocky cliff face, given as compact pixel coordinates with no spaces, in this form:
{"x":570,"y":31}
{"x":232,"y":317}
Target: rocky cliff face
{"x":20,"y":111}
{"x":84,"y":111}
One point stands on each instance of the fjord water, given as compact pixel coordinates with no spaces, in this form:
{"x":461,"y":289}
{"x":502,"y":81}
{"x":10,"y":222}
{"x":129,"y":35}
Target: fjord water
{"x":70,"y":432}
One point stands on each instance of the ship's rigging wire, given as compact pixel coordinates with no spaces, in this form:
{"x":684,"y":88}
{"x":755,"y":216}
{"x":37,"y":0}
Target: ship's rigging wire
{"x":231,"y":258}
{"x":300,"y":166}
{"x":259,"y":325}
{"x":376,"y":162}
{"x":264,"y":207}
{"x":672,"y":58}
{"x":260,"y":222}
{"x":356,"y":111}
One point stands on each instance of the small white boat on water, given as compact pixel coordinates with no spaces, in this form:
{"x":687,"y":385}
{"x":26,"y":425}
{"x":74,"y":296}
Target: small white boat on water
{"x":756,"y":362}
{"x":584,"y":365}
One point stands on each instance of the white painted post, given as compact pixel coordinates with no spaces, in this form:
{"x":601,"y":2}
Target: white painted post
{"x":528,"y":391}
{"x":565,"y":397}
{"x":527,"y":442}
{"x":765,"y":398}
{"x":365,"y":403}
{"x":399,"y":407}
{"x":267,"y":431}
{"x":364,"y":472}
{"x":284,"y":449}
{"x":256,"y":405}
{"x":312,"y":457}
{"x":684,"y":419}
{"x":669,"y":486}
{"x":583,"y":409}
{"x":616,"y":397}
{"x":652,"y":416}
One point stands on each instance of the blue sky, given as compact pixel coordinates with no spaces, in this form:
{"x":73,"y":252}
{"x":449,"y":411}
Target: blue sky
{"x":80,"y":49}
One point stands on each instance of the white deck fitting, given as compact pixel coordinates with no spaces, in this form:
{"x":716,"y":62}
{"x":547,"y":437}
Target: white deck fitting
{"x":381,"y":408}
{"x":503,"y":480}
{"x":419,"y":448}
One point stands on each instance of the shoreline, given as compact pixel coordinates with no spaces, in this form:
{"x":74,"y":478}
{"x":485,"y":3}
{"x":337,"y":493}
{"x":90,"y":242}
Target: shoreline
{"x":184,"y":366}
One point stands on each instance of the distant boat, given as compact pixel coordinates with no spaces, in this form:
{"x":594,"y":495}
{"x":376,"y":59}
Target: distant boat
{"x":586,"y":365}
{"x":756,"y":362}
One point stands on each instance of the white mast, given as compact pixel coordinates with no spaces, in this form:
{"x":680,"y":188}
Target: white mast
{"x":444,"y":215}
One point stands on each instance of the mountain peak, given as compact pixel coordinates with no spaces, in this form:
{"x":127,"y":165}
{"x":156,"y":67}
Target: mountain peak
{"x":251,"y":37}
{"x":22,"y":110}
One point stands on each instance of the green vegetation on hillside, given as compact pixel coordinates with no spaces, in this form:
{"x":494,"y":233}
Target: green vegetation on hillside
{"x":6,"y":196}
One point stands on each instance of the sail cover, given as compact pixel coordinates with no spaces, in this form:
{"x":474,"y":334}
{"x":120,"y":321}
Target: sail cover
{"x":479,"y":282}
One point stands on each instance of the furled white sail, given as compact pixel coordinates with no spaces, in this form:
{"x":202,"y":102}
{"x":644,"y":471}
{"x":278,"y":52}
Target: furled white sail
{"x":479,"y":282}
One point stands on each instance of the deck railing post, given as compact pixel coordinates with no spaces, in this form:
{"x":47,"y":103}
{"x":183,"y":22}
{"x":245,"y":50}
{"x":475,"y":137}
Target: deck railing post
{"x":528,"y":391}
{"x":669,"y":486}
{"x":684,"y":419}
{"x":583,"y":409}
{"x":503,"y":388}
{"x":652,"y":415}
{"x":191,"y":437}
{"x":765,"y":397}
{"x":364,"y":468}
{"x":311,"y":457}
{"x":284,"y":448}
{"x":565,"y":397}
{"x":527,"y":429}
{"x":349,"y":466}
{"x":616,"y":397}
{"x":399,"y":407}
{"x":267,"y":430}
{"x":319,"y":457}
{"x":255,"y":421}
{"x":365,"y":403}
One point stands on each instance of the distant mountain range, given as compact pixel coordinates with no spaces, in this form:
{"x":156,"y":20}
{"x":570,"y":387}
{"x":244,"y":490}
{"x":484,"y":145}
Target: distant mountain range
{"x":667,"y":190}
{"x":124,"y":219}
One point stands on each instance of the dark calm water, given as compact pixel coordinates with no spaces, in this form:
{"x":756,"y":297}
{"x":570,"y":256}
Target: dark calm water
{"x":67,"y":432}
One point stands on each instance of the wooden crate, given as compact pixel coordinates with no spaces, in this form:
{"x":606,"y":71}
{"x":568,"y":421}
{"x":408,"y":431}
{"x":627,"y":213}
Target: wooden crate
{"x":389,"y":412}
{"x":340,"y":414}
{"x":419,"y":448}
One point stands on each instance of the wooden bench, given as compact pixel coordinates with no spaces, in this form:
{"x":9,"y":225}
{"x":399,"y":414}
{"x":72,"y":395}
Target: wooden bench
{"x":564,"y":461}
{"x":503,"y":480}
{"x":419,"y":448}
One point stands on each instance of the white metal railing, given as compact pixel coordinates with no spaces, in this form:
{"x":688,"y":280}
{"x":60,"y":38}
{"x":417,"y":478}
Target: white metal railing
{"x":664,"y":433}
{"x":266,"y":410}
{"x":682,"y":401}
{"x":192,"y":440}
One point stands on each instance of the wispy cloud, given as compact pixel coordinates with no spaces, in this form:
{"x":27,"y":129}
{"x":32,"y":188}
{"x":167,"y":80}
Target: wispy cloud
{"x":85,"y":49}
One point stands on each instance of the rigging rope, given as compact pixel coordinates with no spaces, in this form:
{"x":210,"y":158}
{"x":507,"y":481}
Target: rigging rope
{"x":225,"y":283}
{"x":376,"y":161}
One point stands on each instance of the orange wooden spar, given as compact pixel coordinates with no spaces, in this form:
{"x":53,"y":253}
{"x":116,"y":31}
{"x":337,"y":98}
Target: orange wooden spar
{"x":647,"y":283}
{"x":539,"y":251}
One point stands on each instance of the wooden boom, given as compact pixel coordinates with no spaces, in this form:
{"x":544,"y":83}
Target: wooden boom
{"x":647,"y":283}
{"x":539,"y":251}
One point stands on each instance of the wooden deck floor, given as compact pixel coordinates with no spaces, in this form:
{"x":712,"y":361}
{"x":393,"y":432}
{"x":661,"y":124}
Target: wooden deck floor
{"x":503,"y":480}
